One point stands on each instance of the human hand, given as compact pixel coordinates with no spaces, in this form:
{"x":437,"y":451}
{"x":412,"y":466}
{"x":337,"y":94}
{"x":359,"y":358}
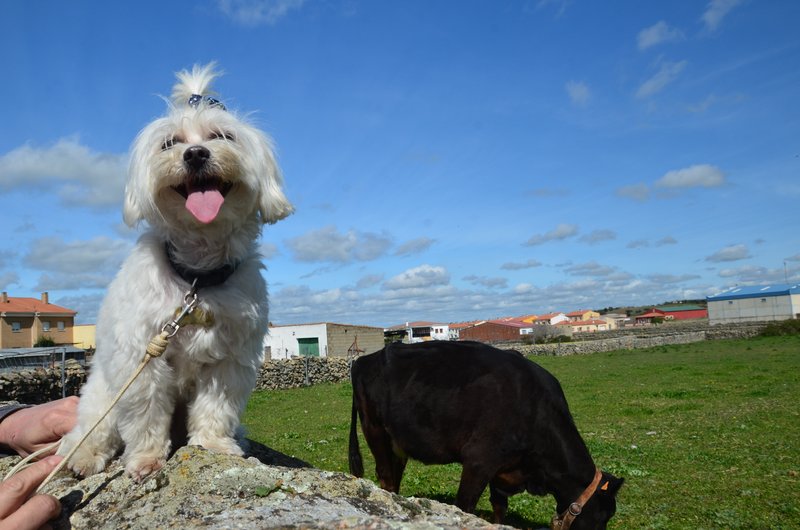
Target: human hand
{"x":28,"y":430}
{"x":20,"y":511}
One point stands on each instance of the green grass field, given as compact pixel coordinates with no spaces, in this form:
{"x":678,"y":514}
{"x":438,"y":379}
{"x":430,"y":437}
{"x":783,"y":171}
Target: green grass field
{"x":707,"y":435}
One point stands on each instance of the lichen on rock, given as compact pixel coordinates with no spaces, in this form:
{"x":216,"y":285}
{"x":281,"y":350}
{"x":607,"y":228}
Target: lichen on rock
{"x":202,"y":489}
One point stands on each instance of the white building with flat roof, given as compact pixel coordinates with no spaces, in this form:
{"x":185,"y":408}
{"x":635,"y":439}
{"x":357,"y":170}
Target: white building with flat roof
{"x":755,"y":303}
{"x":322,"y":339}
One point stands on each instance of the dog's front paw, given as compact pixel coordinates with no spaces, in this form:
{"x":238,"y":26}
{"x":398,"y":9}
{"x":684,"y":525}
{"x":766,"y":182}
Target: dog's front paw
{"x":87,"y":462}
{"x":224,"y":445}
{"x":141,"y":467}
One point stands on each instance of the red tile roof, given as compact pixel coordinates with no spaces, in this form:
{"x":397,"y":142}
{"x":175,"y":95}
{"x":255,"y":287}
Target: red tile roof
{"x":578,"y":312}
{"x":652,"y":314}
{"x":418,"y":324}
{"x":32,"y":305}
{"x":511,"y":323}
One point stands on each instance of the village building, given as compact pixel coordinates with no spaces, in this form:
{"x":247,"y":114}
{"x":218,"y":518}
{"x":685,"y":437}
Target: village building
{"x":84,"y":336}
{"x":24,"y":321}
{"x":755,"y":303}
{"x":672,"y":312}
{"x":323,"y":339}
{"x":496,"y":331}
{"x":582,"y":315}
{"x":550,"y":319}
{"x":419,"y":331}
{"x":616,"y":320}
{"x":586,"y":326}
{"x":454,"y":329}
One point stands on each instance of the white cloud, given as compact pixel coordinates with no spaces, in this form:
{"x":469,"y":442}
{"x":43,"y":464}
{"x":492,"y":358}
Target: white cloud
{"x":419,"y":277}
{"x":101,"y":254}
{"x":560,"y":6}
{"x":71,"y":282}
{"x":666,"y":74}
{"x":328,"y":244}
{"x":258,"y":12}
{"x":8,"y":278}
{"x":704,"y":105}
{"x":515,"y":266}
{"x":414,"y":246}
{"x":672,"y":278}
{"x":560,"y":232}
{"x":656,"y":34}
{"x":697,"y":176}
{"x":268,"y":250}
{"x":578,"y":92}
{"x":370,"y":280}
{"x":754,"y":275}
{"x":637,"y":192}
{"x":80,"y":176}
{"x":667,"y":240}
{"x":638,"y":243}
{"x":5,"y":256}
{"x":716,"y":11}
{"x":598,"y":236}
{"x":796,"y":257}
{"x":87,"y":306}
{"x":490,"y":283}
{"x":729,"y":253}
{"x":591,"y":268}
{"x":424,"y":293}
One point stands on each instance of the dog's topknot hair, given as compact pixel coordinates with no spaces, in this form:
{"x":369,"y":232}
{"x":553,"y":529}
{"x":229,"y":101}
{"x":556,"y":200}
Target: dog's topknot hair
{"x":198,"y":81}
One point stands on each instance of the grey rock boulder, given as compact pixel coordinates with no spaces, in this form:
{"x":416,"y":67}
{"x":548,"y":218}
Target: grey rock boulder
{"x":201,"y":489}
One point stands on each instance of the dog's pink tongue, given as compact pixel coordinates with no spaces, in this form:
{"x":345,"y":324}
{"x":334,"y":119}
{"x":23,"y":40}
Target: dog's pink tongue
{"x":205,"y":205}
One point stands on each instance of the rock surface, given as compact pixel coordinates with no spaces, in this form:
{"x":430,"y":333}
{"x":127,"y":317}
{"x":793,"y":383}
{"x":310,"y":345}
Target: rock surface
{"x":201,"y":489}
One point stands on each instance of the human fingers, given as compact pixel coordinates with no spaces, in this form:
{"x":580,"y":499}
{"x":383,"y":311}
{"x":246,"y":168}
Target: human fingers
{"x":15,"y":491}
{"x":37,"y":427}
{"x":32,"y":515}
{"x":63,"y":416}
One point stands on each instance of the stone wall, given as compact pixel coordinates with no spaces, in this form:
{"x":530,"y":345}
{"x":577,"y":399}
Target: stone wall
{"x":294,"y":373}
{"x":738,"y":330}
{"x":644,"y":337}
{"x":41,"y":385}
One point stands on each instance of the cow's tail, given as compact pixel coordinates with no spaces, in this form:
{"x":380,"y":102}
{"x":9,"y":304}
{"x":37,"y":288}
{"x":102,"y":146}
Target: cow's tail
{"x":354,"y":453}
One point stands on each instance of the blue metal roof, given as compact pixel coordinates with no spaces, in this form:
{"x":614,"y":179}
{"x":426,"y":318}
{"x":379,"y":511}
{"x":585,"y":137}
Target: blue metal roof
{"x":756,"y":291}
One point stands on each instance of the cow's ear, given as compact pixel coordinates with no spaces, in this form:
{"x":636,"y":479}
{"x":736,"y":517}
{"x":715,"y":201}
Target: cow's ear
{"x":611,"y":485}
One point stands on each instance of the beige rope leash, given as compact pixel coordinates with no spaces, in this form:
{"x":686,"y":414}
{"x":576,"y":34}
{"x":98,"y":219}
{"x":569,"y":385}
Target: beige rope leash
{"x":155,"y":348}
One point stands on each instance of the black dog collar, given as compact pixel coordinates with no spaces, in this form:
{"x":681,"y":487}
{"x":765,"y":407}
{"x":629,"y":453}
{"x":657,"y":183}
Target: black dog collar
{"x":200,"y":278}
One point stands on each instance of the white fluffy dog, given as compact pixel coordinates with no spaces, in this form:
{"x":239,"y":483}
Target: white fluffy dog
{"x":205,"y":182}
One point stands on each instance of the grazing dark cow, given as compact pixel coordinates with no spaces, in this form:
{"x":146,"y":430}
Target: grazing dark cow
{"x":504,"y":418}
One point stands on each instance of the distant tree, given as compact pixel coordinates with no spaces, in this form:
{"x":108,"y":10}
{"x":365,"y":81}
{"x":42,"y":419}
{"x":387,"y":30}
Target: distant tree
{"x":44,"y":342}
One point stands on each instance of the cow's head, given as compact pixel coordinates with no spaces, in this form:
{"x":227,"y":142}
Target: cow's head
{"x":596,"y":511}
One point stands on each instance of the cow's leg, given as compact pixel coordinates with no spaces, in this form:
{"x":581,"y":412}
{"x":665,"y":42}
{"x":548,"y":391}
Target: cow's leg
{"x":388,"y":466}
{"x":474,"y":479}
{"x":398,"y":466}
{"x":499,"y":502}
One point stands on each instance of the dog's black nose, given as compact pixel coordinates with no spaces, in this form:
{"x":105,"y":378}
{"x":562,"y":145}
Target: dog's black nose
{"x":196,"y":156}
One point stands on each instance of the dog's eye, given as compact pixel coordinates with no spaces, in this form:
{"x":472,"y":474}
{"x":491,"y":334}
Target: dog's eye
{"x":221,"y":135}
{"x":168,"y":143}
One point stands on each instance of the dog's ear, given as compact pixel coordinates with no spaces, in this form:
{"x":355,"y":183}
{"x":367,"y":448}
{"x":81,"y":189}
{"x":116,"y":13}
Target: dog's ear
{"x":133,"y":209}
{"x":131,"y":212}
{"x":272,"y":203}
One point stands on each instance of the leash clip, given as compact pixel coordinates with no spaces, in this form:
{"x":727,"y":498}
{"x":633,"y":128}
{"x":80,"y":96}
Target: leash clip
{"x":189,"y":304}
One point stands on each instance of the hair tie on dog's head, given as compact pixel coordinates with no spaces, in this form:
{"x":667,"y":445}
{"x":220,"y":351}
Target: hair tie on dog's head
{"x":195,"y":99}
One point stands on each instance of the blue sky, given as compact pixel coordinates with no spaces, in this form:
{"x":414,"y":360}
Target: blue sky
{"x":449,"y":160}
